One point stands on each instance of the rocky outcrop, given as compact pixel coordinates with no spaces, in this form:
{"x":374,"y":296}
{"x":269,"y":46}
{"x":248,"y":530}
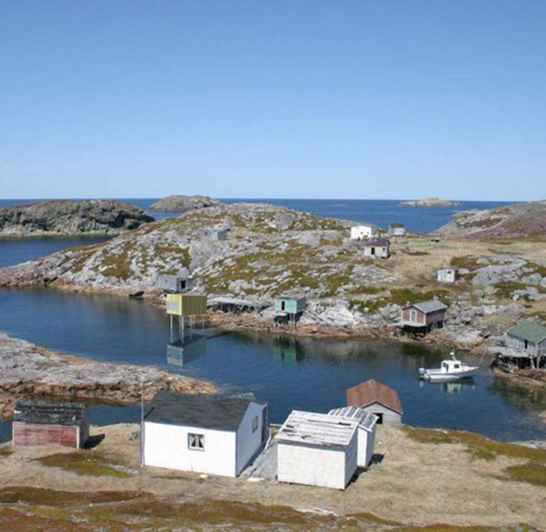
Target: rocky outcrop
{"x":522,"y":220}
{"x":183,"y":203}
{"x":69,"y":218}
{"x":29,"y":370}
{"x":430,"y":203}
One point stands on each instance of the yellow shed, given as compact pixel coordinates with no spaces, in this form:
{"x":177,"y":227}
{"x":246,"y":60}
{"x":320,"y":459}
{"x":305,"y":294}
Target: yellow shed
{"x":186,"y":304}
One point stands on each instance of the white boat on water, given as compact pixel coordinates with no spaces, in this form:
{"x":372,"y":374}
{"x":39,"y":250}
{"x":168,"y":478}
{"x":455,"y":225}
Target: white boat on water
{"x":449,"y":370}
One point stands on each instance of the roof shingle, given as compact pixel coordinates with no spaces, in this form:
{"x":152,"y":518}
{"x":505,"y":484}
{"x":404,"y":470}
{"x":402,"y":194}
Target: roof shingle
{"x":370,"y":392}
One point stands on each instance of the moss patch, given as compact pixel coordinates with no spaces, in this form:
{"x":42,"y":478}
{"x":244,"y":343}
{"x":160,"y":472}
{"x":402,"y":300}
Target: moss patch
{"x":83,"y":464}
{"x":531,"y":473}
{"x":48,"y":497}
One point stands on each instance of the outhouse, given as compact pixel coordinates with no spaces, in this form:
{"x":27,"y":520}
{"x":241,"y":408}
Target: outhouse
{"x":380,"y":248}
{"x":212,"y":434}
{"x":317,"y":450}
{"x":363,"y":231}
{"x":397,"y":230}
{"x":366,"y":431}
{"x":49,"y":423}
{"x":446,"y":275}
{"x":424,"y":316}
{"x":378,"y":399}
{"x":526,"y":342}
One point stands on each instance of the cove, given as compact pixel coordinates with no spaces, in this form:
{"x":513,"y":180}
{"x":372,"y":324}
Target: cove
{"x":289,"y":373}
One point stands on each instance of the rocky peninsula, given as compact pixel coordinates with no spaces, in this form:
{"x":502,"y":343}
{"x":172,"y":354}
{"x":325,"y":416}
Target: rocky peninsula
{"x":430,"y":203}
{"x":180,"y":204}
{"x":63,"y":218}
{"x":29,"y":370}
{"x":272,"y":250}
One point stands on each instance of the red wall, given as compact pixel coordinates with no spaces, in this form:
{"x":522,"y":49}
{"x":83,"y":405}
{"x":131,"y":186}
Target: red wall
{"x":27,"y":434}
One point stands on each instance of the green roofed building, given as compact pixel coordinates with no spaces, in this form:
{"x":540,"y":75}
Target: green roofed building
{"x":527,"y":340}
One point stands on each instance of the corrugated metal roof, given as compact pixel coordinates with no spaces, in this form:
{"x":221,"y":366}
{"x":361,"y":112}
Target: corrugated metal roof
{"x":321,"y":430}
{"x":531,"y":331}
{"x":427,"y":307}
{"x":370,"y":392}
{"x":205,"y":411}
{"x":365,"y":419}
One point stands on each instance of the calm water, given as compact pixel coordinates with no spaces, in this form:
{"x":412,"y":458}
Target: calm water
{"x":307,"y":374}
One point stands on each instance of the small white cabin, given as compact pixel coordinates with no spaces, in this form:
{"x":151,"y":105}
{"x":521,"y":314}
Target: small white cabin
{"x":446,"y":275}
{"x":378,"y":248}
{"x":366,"y":431}
{"x":363,"y":232}
{"x":317,"y":450}
{"x":378,"y":399}
{"x":210,"y":434}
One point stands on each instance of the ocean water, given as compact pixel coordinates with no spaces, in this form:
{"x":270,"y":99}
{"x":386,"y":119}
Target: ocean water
{"x":379,"y":212}
{"x":308,"y":374}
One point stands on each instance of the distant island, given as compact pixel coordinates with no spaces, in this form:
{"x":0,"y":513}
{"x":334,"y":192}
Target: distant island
{"x":430,"y":202}
{"x":69,"y":218}
{"x":180,"y":203}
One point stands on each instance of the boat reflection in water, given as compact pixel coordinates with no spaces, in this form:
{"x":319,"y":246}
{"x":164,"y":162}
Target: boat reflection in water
{"x":453,"y":387}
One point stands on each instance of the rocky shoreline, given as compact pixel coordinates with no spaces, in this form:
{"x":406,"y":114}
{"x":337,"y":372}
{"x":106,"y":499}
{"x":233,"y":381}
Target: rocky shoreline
{"x":28,"y":370}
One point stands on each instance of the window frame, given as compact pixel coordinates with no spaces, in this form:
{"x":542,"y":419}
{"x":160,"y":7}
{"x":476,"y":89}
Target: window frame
{"x":199,"y":438}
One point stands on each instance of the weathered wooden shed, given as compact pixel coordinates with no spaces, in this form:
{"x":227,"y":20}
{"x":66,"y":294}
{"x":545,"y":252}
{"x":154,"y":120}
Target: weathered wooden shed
{"x":317,"y":450}
{"x":218,"y":233}
{"x":363,"y":231}
{"x":181,"y":282}
{"x":366,"y":431}
{"x":397,"y":230}
{"x":424,"y":316}
{"x":378,"y":399}
{"x":446,"y":275}
{"x":526,"y":344}
{"x":43,"y":422}
{"x":207,"y":433}
{"x":379,"y":248}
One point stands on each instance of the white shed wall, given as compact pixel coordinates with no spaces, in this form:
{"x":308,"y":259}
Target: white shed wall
{"x":389,"y":416}
{"x":360,"y":232}
{"x":315,"y":466}
{"x":351,"y":459}
{"x":366,"y":442}
{"x":167,"y":446}
{"x":248,"y":442}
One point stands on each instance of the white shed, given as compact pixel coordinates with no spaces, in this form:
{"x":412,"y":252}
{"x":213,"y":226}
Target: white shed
{"x":446,"y":275}
{"x":366,"y":431}
{"x":317,"y":450}
{"x":211,"y":434}
{"x":363,"y":232}
{"x":377,"y":248}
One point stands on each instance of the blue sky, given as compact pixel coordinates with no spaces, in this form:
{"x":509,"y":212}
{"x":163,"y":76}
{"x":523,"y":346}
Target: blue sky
{"x":288,"y":98}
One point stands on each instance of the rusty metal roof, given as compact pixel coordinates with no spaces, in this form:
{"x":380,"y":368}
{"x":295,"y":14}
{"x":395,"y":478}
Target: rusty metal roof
{"x":370,"y":392}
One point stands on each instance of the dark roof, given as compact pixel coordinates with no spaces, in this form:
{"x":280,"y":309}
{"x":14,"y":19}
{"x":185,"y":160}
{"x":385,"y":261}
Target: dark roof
{"x":379,"y":242}
{"x":529,"y":330}
{"x":427,"y":307}
{"x":49,"y":412}
{"x":370,"y":392}
{"x":207,"y":411}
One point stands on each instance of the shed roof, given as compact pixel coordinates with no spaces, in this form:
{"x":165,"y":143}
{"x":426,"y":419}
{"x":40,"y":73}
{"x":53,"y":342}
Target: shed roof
{"x":378,"y":242}
{"x":434,"y":305}
{"x":320,"y":430}
{"x":207,"y":411}
{"x":531,"y":331}
{"x":370,"y":392}
{"x":365,"y":419}
{"x":49,"y":413}
{"x":397,"y":226}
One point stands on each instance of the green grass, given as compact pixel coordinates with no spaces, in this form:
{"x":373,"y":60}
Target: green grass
{"x":49,"y":497}
{"x":468,"y":262}
{"x":506,"y":289}
{"x":531,"y":473}
{"x":83,"y":463}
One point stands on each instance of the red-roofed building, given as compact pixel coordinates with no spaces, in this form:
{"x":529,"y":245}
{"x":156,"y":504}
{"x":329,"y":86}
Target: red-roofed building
{"x":378,"y":399}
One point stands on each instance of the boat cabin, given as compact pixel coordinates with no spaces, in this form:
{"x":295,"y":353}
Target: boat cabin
{"x":424,"y":316}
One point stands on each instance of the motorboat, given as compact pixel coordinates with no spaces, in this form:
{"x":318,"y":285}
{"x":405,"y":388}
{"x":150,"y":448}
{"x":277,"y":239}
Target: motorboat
{"x":450,"y":370}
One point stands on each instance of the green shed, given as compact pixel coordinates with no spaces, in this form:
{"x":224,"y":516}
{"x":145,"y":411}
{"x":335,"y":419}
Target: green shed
{"x":289,"y":305}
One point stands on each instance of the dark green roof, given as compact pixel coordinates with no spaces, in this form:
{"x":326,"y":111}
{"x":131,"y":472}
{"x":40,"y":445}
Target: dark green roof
{"x":529,"y":330}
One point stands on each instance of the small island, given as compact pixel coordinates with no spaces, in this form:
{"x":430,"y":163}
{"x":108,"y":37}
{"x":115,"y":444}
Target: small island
{"x":430,"y":203}
{"x":179,"y":203}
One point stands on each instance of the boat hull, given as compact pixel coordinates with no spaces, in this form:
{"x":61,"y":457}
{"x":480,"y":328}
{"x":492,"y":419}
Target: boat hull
{"x":439,"y":376}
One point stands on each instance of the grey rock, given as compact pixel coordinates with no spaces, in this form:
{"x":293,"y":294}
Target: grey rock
{"x":181,"y":204}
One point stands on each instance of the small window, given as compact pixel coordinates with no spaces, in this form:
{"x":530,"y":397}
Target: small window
{"x":255,"y":423}
{"x":379,"y":417}
{"x":457,"y":366}
{"x":196,"y":442}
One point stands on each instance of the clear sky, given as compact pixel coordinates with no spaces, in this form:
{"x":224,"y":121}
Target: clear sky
{"x":281,"y":98}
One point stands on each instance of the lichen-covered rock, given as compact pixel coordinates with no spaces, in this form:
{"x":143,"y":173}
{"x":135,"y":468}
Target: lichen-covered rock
{"x":68,"y":218}
{"x":183,"y":203}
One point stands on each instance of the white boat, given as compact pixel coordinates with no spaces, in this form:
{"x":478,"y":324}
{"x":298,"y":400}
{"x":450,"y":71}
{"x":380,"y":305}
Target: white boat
{"x":449,"y":370}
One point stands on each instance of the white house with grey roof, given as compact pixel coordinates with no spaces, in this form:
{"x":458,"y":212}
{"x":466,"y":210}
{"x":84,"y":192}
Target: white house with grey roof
{"x":210,"y":434}
{"x":366,"y":431}
{"x":317,"y":450}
